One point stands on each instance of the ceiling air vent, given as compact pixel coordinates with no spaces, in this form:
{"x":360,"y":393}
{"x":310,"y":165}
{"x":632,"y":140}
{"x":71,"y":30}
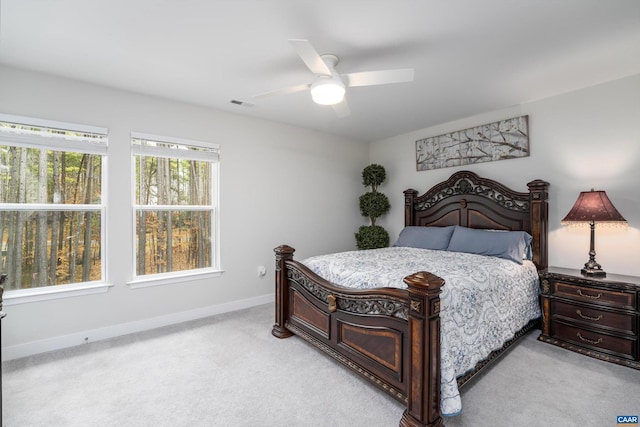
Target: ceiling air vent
{"x":242,"y":103}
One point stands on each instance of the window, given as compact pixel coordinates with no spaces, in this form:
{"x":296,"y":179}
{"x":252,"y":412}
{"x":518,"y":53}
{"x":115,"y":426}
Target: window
{"x":52,"y":218}
{"x":175,"y":206}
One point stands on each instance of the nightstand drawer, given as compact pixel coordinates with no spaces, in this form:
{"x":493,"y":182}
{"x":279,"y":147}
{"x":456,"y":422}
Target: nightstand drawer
{"x":593,"y":295}
{"x":621,"y":347}
{"x":594,"y":317}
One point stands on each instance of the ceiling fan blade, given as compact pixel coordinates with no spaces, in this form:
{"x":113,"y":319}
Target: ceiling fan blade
{"x":310,"y":57}
{"x":342,"y":108}
{"x":382,"y":77}
{"x":284,"y":91}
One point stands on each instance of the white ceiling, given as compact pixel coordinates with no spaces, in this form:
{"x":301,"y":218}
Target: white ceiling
{"x":470,"y":56}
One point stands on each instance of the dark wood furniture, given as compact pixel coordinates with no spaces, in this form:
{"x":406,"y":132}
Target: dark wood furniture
{"x":596,"y":316}
{"x":391,"y":336}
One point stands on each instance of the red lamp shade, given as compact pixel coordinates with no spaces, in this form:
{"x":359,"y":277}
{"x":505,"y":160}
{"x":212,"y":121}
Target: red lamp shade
{"x":593,"y":206}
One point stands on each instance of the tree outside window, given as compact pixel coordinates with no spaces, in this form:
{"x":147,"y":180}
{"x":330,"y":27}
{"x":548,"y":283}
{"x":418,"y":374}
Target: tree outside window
{"x":175,"y":205}
{"x":51,"y":211}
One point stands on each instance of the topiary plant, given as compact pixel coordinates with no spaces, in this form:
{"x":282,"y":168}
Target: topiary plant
{"x":373,"y":205}
{"x":373,"y":175}
{"x":372,"y":237}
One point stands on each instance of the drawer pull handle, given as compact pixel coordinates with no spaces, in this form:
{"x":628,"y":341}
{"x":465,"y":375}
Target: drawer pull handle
{"x":595,"y":319}
{"x":594,"y":342}
{"x":589,"y":296}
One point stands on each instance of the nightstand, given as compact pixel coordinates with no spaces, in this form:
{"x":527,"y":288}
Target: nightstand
{"x":596,"y":316}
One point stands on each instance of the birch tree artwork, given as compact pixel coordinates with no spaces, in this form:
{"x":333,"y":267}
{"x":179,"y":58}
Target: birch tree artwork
{"x":506,"y":139}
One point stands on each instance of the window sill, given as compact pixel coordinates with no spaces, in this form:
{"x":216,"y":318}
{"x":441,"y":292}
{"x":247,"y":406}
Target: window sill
{"x":24,"y":296}
{"x":46,"y":293}
{"x":172,"y":278}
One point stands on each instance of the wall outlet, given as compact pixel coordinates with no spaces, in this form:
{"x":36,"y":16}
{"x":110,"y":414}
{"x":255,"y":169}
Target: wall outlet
{"x":262,"y":270}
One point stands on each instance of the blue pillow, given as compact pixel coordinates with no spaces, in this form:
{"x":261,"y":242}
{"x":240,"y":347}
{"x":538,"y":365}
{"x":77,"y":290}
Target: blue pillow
{"x":513,"y":245}
{"x":425,"y":237}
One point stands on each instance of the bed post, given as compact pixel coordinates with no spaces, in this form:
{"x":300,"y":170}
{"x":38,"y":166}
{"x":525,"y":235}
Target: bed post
{"x":283,"y":253}
{"x":423,"y":390}
{"x":539,"y":211}
{"x":409,"y":196}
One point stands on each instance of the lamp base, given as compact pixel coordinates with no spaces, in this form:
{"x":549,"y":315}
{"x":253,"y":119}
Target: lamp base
{"x":593,"y":272}
{"x":591,"y":267}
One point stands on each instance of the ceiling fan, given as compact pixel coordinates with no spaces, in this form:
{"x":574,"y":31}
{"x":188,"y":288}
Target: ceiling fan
{"x":329,"y":86}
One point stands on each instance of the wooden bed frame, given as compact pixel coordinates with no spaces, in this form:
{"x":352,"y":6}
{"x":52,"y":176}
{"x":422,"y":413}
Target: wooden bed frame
{"x":391,"y":336}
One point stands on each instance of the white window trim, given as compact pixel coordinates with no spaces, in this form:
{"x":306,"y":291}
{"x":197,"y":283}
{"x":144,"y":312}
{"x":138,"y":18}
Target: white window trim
{"x":30,"y":121}
{"x":173,"y":278}
{"x":21,"y":140}
{"x":149,"y":280}
{"x":44,"y":293}
{"x":53,"y":142}
{"x":173,"y":140}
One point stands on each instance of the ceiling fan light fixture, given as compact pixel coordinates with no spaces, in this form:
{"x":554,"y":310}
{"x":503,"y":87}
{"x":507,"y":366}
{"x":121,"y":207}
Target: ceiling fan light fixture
{"x":327,"y":91}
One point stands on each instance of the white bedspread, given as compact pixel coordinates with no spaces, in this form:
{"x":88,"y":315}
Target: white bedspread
{"x":484,"y":302}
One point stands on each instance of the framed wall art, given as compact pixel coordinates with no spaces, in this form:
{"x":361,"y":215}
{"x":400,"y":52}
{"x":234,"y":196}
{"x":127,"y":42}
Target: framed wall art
{"x":505,"y":139}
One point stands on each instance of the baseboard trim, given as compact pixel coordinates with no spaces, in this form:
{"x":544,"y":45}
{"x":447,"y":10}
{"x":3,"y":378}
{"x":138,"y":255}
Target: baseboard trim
{"x":50,"y":344}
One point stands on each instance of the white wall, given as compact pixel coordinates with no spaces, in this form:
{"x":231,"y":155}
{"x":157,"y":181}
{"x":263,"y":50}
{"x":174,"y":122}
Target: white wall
{"x":279,"y":184}
{"x":580,"y":140}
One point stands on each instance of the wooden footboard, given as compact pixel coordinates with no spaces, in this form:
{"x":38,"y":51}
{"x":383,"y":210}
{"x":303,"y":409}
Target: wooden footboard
{"x":389,"y":336}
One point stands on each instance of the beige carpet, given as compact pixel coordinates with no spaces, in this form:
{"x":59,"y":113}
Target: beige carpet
{"x":228,"y":370}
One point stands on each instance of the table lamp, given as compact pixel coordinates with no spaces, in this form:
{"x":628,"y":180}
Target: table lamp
{"x":593,"y":207}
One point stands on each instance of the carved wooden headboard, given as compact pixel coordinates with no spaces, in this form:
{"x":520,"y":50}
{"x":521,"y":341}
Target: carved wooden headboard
{"x":467,"y":200}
